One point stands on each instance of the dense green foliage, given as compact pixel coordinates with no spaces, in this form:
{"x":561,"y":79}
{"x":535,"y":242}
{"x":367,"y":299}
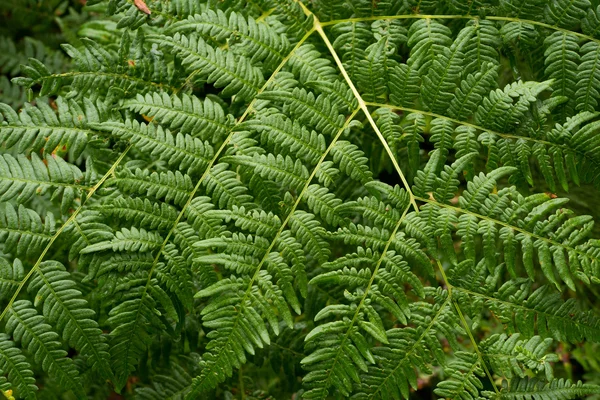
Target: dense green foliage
{"x":260,"y":199}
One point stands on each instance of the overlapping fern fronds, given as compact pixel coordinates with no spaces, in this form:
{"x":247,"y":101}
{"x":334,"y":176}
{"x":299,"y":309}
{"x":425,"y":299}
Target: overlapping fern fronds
{"x":344,"y":199}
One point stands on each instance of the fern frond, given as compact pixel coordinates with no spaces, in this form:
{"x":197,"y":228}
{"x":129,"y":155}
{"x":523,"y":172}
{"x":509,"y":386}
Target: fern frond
{"x":527,"y":388}
{"x":427,"y":38}
{"x":245,"y":36}
{"x":483,"y":48}
{"x":221,"y":68}
{"x":169,"y":186}
{"x":405,"y":85}
{"x":304,"y":226}
{"x":23,"y":232}
{"x":308,"y":65}
{"x":288,"y":137}
{"x":67,"y":311}
{"x":143,"y":212}
{"x":351,"y":40}
{"x":314,"y":111}
{"x":98,"y":70}
{"x":226,"y":189}
{"x":562,"y":61}
{"x":500,"y":111}
{"x":441,"y":80}
{"x":281,"y":198}
{"x":21,"y":179}
{"x":128,"y":240}
{"x":374,"y":72}
{"x":512,"y":356}
{"x":10,"y":276}
{"x":28,"y":327}
{"x":15,"y":365}
{"x":351,"y":161}
{"x":288,"y":172}
{"x":131,"y":319}
{"x":523,"y":8}
{"x":566,"y":13}
{"x":393,"y":371}
{"x":39,"y":128}
{"x":180,"y":151}
{"x":244,"y":323}
{"x":463,"y":380}
{"x":203,"y":119}
{"x":588,"y":78}
{"x":517,"y":304}
{"x":470,"y":94}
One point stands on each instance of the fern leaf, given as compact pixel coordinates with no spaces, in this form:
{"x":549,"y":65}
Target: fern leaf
{"x":351,"y":161}
{"x":512,"y":356}
{"x":308,"y":64}
{"x":587,"y":93}
{"x":179,"y":151}
{"x":15,"y":365}
{"x":23,"y":232}
{"x":426,"y":38}
{"x":522,"y":389}
{"x":470,"y":94}
{"x":131,"y":319}
{"x":289,"y":173}
{"x":374,"y":71}
{"x":67,"y":311}
{"x":288,"y":137}
{"x":10,"y":276}
{"x":566,"y":13}
{"x":259,"y":42}
{"x":205,"y":120}
{"x":562,"y":60}
{"x":351,"y":40}
{"x":169,"y":186}
{"x":221,"y":68}
{"x":404,"y":85}
{"x":40,"y":128}
{"x":26,"y":326}
{"x":483,"y":48}
{"x":517,"y":304}
{"x":22,"y":178}
{"x":143,"y":212}
{"x":440,"y":81}
{"x":316,"y":112}
{"x":464,"y":378}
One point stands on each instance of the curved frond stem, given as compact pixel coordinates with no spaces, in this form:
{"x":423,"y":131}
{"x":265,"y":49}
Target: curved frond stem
{"x":502,"y":223}
{"x":466,"y":325}
{"x":471,"y":17}
{"x":71,"y":219}
{"x":363,"y":106}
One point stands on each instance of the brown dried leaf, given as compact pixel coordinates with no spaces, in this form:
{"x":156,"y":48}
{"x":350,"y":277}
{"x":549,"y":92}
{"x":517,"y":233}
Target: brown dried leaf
{"x":141,"y":5}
